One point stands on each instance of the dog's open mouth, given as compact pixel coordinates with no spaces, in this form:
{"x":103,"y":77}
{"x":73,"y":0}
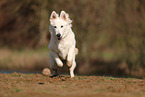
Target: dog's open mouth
{"x":59,"y":38}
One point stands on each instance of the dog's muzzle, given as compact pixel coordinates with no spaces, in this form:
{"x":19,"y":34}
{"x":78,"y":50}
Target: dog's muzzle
{"x":58,"y":36}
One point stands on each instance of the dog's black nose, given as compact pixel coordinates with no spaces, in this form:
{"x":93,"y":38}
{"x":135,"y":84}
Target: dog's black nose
{"x":58,"y":35}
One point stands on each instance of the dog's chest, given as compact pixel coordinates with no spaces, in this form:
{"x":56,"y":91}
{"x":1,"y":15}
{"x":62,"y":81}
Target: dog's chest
{"x":63,"y":50}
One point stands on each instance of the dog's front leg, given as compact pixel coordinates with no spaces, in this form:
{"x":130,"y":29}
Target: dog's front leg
{"x":57,"y":59}
{"x":71,"y":60}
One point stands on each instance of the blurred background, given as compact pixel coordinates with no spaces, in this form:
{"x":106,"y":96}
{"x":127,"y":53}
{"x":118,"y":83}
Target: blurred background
{"x":110,"y":35}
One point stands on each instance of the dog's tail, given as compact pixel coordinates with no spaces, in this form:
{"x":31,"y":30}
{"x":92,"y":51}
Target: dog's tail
{"x":76,"y":51}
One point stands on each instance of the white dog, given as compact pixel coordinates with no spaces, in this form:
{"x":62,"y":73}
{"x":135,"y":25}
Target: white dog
{"x":62,"y":43}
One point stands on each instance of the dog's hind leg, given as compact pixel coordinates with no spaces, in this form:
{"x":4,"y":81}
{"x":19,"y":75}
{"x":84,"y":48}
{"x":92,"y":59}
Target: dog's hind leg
{"x":72,"y":69}
{"x":71,"y":60}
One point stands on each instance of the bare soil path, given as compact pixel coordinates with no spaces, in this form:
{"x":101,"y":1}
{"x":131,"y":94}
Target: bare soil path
{"x":37,"y":85}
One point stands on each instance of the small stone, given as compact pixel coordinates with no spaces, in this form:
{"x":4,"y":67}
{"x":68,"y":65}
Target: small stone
{"x":46,"y":71}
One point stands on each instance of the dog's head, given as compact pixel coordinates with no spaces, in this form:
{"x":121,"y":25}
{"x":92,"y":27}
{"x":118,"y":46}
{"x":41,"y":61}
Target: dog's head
{"x":60,"y":25}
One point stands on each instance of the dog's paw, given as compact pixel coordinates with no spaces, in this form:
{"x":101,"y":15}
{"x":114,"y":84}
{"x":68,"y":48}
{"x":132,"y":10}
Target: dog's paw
{"x":69,"y":63}
{"x":60,"y":64}
{"x":72,"y":75}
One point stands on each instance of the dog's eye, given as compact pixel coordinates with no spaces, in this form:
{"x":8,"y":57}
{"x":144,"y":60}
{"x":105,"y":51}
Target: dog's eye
{"x":54,"y":26}
{"x":61,"y":26}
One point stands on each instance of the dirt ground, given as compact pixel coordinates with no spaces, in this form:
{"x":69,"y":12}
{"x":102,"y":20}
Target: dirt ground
{"x":37,"y":85}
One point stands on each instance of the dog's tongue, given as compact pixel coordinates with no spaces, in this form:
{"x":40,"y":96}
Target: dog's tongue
{"x":59,"y":38}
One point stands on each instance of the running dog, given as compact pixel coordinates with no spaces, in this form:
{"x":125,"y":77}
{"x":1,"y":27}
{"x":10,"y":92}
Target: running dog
{"x":62,"y":44}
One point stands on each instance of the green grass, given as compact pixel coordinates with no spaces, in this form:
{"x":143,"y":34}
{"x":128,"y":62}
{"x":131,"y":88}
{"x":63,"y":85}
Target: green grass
{"x":113,"y":79}
{"x":18,"y":90}
{"x":16,"y":75}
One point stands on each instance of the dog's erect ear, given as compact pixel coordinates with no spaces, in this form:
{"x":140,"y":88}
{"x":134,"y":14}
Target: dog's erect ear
{"x":53,"y":16}
{"x":65,"y":16}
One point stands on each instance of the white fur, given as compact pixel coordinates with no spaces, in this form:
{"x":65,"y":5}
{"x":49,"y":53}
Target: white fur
{"x":63,"y":49}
